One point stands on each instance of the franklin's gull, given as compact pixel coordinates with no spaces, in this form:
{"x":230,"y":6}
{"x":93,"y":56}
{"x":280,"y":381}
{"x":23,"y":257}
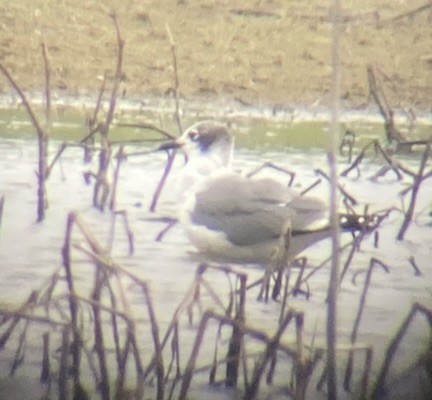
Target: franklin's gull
{"x":234,"y":218}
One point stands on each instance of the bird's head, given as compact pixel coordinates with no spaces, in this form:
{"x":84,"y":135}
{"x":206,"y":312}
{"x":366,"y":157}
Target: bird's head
{"x":205,"y":139}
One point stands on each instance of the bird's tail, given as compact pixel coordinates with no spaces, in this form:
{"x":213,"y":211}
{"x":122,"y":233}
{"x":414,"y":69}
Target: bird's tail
{"x":354,"y":222}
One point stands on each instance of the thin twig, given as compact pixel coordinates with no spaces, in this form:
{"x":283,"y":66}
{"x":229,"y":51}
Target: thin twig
{"x":416,"y":186}
{"x":176,"y":79}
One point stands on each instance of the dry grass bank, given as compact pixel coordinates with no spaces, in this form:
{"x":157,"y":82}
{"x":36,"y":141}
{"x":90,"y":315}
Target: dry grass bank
{"x":262,"y":52}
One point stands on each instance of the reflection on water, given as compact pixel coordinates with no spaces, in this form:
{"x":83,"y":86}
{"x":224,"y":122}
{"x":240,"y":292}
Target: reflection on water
{"x":30,"y":252}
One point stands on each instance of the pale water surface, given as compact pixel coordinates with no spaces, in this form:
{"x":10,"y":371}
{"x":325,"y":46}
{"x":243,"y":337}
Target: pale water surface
{"x":31,"y":252}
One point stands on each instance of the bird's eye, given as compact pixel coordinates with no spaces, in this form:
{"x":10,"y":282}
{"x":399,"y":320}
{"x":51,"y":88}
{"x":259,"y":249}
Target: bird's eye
{"x":193,"y":135}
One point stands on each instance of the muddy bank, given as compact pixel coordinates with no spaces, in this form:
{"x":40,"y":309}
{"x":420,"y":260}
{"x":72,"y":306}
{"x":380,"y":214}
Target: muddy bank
{"x":270,"y":53}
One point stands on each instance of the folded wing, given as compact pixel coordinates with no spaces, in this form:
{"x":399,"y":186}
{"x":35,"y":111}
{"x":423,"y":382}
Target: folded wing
{"x":250,"y":211}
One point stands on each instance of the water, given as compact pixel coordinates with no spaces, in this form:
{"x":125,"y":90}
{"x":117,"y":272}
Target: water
{"x":31,"y":252}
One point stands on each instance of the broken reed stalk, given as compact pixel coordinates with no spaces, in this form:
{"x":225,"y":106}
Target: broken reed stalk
{"x":42,"y":136}
{"x":149,"y":126}
{"x":129,"y":233}
{"x":176,"y":79}
{"x":275,"y":167}
{"x":277,"y":265}
{"x":19,"y":353}
{"x":171,"y":155}
{"x":158,"y":360}
{"x":358,"y":159}
{"x":270,"y":352}
{"x":189,"y":299}
{"x":101,"y":188}
{"x":45,"y":372}
{"x":333,"y":287}
{"x":47,"y":70}
{"x":120,"y":158}
{"x":15,"y":317}
{"x":377,"y":92}
{"x":236,"y":340}
{"x":114,"y":313}
{"x":354,"y":333}
{"x":255,"y":333}
{"x":393,"y":165}
{"x":338,"y":186}
{"x":99,"y":342}
{"x":60,"y":151}
{"x":379,"y":390}
{"x":310,"y":187}
{"x":92,"y":121}
{"x":348,"y":142}
{"x":416,"y":186}
{"x":160,"y":371}
{"x":355,"y":246}
{"x":161,"y":184}
{"x":73,"y":305}
{"x":64,"y":366}
{"x":92,"y":124}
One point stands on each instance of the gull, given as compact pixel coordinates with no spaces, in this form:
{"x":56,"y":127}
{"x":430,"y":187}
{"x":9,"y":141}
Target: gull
{"x":231,"y":217}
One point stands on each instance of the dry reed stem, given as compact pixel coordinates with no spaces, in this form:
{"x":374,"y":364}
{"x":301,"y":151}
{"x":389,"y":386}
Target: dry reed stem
{"x":175,"y":358}
{"x":176,"y":78}
{"x":256,"y":334}
{"x":236,"y":341}
{"x":380,"y":98}
{"x":157,"y":360}
{"x":19,"y":353}
{"x":96,"y":254}
{"x":157,"y":344}
{"x":161,"y":184}
{"x":348,"y":141}
{"x":74,"y":219}
{"x":129,"y":233}
{"x":149,"y":126}
{"x":64,"y":366}
{"x":99,"y":345}
{"x":310,"y":187}
{"x":278,"y":263}
{"x":358,"y":159}
{"x":301,"y":265}
{"x":47,"y":71}
{"x":45,"y":371}
{"x":42,"y":145}
{"x":164,"y":231}
{"x":333,"y":286}
{"x":340,"y":188}
{"x":92,"y":124}
{"x":35,"y":318}
{"x":393,"y":165}
{"x":192,"y":297}
{"x":270,"y":351}
{"x":354,"y":333}
{"x":416,"y":187}
{"x":396,"y":165}
{"x":355,"y":246}
{"x":275,"y":167}
{"x":379,"y":390}
{"x":101,"y":188}
{"x":408,"y":189}
{"x":60,"y":151}
{"x":417,"y":270}
{"x":120,"y":158}
{"x":281,"y":261}
{"x":189,"y":299}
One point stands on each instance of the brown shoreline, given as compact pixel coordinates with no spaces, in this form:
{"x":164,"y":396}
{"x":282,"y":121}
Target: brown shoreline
{"x":272,"y":53}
